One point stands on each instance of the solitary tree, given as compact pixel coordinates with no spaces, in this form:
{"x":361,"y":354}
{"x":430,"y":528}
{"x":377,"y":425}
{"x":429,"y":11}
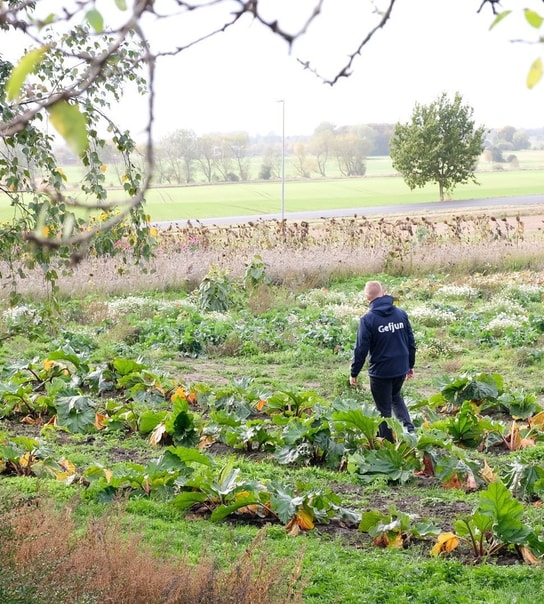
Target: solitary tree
{"x":440,"y":144}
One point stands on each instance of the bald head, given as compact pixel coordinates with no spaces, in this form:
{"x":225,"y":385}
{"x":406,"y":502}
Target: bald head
{"x":373,"y":290}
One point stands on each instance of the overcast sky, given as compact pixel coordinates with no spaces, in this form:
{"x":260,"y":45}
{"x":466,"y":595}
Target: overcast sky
{"x":233,"y":81}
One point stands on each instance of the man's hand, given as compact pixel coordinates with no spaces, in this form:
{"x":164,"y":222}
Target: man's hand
{"x":353,"y":381}
{"x":410,"y":374}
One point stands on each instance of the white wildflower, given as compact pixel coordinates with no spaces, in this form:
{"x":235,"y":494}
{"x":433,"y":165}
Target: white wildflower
{"x":431,"y":317}
{"x":504,"y":321}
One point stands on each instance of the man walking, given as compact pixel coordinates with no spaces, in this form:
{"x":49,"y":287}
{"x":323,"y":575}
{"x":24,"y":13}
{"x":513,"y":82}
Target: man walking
{"x":385,"y":335}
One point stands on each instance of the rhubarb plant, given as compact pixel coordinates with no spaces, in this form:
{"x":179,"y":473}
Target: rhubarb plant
{"x":496,"y":524}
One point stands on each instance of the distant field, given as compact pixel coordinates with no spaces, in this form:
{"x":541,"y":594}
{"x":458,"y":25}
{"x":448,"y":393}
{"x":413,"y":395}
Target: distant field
{"x":210,"y":201}
{"x":379,"y":187}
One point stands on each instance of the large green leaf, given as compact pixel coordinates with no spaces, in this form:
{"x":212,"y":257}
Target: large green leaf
{"x":284,"y":504}
{"x":149,"y":420}
{"x":223,"y":511}
{"x":76,"y":413}
{"x":188,"y":455}
{"x":187,"y":499}
{"x":498,"y":503}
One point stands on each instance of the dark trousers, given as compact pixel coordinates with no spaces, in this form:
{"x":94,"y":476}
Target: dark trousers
{"x":388,"y":398}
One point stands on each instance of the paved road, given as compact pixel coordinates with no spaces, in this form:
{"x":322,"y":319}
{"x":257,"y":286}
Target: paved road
{"x":433,"y":206}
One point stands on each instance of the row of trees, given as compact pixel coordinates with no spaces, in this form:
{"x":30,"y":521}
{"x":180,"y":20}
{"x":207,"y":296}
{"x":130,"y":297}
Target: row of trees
{"x":183,"y":157}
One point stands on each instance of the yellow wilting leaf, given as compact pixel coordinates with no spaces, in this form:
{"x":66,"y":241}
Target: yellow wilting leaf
{"x":261,"y":404}
{"x":527,"y":555}
{"x":25,"y":460}
{"x":452,"y":483}
{"x":67,"y":465}
{"x":25,"y":67}
{"x":535,"y":73}
{"x":446,"y":542}
{"x":69,"y":470}
{"x":100,"y":421}
{"x":513,"y":440}
{"x":48,"y":363}
{"x":158,"y":432}
{"x":71,"y":124}
{"x":487,"y":473}
{"x":537,"y":420}
{"x":292,"y":528}
{"x":108,"y":475}
{"x":153,"y":231}
{"x":251,"y":509}
{"x":180,"y":392}
{"x":205,"y":441}
{"x":61,"y":173}
{"x":527,"y":442}
{"x":305,"y":520}
{"x":393,"y":540}
{"x":470,"y":482}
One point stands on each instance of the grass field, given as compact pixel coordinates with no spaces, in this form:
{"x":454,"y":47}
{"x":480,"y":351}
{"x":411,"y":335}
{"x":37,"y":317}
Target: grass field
{"x":379,"y":187}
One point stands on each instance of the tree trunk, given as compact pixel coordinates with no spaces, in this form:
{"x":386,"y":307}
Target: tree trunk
{"x":441,"y":190}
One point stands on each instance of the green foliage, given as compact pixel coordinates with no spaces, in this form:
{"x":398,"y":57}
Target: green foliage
{"x":216,"y":292}
{"x":396,"y":462}
{"x":75,"y":99}
{"x":481,"y":388}
{"x":395,"y":529}
{"x":441,"y":144}
{"x":496,"y":523}
{"x":255,"y":273}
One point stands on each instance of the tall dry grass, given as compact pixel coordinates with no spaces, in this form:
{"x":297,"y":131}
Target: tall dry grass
{"x":46,"y":557}
{"x":303,"y":255}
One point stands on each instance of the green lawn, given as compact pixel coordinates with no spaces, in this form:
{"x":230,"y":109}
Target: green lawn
{"x":379,"y":187}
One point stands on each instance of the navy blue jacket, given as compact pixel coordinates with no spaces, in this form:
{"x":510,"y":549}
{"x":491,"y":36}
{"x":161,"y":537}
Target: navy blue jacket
{"x":386,"y":336}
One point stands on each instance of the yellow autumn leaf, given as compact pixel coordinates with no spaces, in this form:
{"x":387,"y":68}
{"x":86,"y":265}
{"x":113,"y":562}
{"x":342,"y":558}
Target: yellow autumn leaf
{"x":261,"y":404}
{"x":48,"y":363}
{"x":292,"y":528}
{"x":537,"y":420}
{"x":25,"y":460}
{"x":180,"y":392}
{"x":153,"y":231}
{"x":67,"y":465}
{"x":305,"y":520}
{"x":20,"y":72}
{"x":157,"y":435}
{"x":487,"y":473}
{"x":100,"y":421}
{"x":71,"y":124}
{"x":69,"y":470}
{"x":446,"y":542}
{"x":527,"y":555}
{"x":205,"y":442}
{"x":535,"y":73}
{"x":513,"y":440}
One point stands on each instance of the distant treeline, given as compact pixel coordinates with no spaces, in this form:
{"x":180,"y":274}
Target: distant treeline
{"x":182,"y":157}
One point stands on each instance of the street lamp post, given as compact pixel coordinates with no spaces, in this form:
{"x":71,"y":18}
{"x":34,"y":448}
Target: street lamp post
{"x":282,"y":101}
